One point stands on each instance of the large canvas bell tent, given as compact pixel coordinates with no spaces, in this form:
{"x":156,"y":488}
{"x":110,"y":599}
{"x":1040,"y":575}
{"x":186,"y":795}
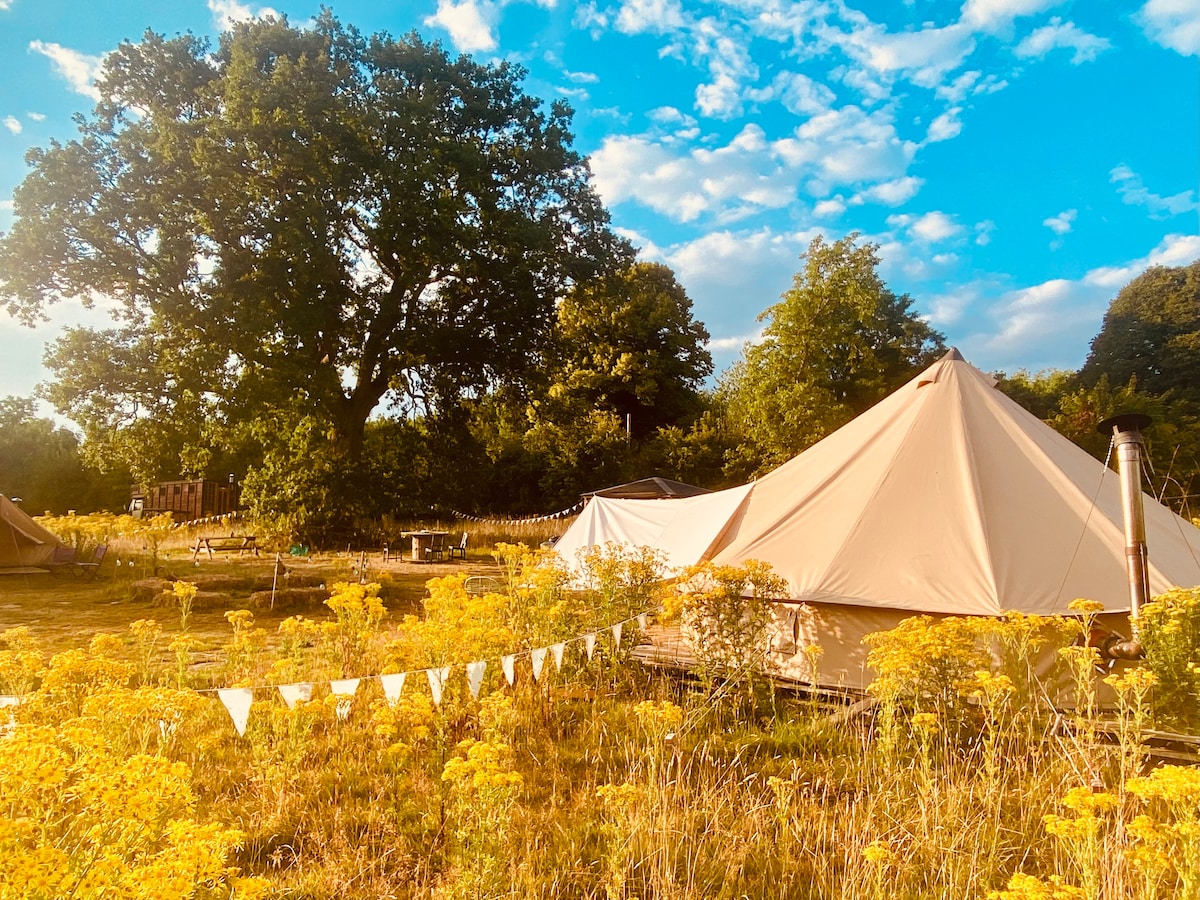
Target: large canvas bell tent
{"x":947,"y":498}
{"x":24,"y":544}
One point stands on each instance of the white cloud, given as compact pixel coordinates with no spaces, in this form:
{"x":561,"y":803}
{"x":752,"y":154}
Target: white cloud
{"x":581,"y":77}
{"x":79,"y":69}
{"x":1062,"y":35}
{"x":728,"y":344}
{"x":1050,"y":325}
{"x":889,"y":193}
{"x":669,"y":115}
{"x":983,"y":232}
{"x":1132,"y":191}
{"x":1175,"y":24}
{"x":588,"y":17}
{"x":36,"y":116}
{"x":848,"y":146}
{"x":12,"y":123}
{"x":730,"y":67}
{"x":469,"y":24}
{"x":5,"y":4}
{"x":732,"y":276}
{"x":945,"y":127}
{"x":830,"y":209}
{"x":227,"y":13}
{"x":751,"y":172}
{"x":801,"y":95}
{"x":924,"y":57}
{"x":994,"y":16}
{"x":1061,"y":224}
{"x":6,"y":205}
{"x":930,"y":228}
{"x":654,"y":16}
{"x":945,"y":310}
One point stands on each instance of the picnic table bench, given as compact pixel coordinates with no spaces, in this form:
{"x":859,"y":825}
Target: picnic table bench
{"x":240,"y":543}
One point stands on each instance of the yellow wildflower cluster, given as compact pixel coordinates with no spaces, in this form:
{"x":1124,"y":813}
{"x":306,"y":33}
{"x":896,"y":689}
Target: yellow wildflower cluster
{"x":404,"y":725}
{"x":926,"y":663}
{"x":658,"y":718}
{"x":20,"y":661}
{"x":457,"y":628}
{"x":1027,"y":887}
{"x":879,"y":853}
{"x":484,"y":770}
{"x":80,"y":821}
{"x":620,"y":799}
{"x":1170,"y":632}
{"x":73,"y":675}
{"x":84,"y":533}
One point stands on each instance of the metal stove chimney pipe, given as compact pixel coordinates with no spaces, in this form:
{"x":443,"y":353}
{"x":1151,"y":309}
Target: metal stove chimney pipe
{"x":1126,"y":432}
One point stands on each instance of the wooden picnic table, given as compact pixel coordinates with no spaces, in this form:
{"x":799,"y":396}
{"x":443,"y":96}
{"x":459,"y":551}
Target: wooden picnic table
{"x":420,"y":541}
{"x":242,"y":543}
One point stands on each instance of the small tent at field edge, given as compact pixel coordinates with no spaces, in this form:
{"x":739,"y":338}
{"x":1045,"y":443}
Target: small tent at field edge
{"x":23,"y":542}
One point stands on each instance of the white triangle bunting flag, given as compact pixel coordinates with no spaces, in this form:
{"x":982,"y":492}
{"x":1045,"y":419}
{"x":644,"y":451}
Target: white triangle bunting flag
{"x":294,"y":693}
{"x":538,"y":658}
{"x":437,"y":682}
{"x":616,"y":633}
{"x":475,"y":672}
{"x":237,"y":703}
{"x":392,"y":686}
{"x":642,"y":621}
{"x":557,"y":650}
{"x":589,"y":644}
{"x":508,"y":664}
{"x":343,"y":689}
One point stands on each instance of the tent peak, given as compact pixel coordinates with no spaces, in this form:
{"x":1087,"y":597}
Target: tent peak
{"x":953,"y":354}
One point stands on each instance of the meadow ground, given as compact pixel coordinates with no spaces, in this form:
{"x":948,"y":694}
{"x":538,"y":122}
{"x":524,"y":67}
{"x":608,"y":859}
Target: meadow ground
{"x":598,"y":780}
{"x":65,"y":612}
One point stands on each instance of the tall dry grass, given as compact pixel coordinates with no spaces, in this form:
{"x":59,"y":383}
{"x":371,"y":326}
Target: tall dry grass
{"x":605,"y":780}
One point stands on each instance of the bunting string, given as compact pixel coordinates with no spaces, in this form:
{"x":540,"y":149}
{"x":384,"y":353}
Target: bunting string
{"x":521,"y":520}
{"x":238,"y":700}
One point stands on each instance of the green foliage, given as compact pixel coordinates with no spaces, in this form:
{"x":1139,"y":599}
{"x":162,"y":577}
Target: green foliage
{"x":726,"y":612}
{"x":628,"y":344}
{"x":1172,"y":442}
{"x":302,"y":213}
{"x":41,"y":463}
{"x":1151,"y":332}
{"x":1041,"y":392}
{"x":837,"y":342}
{"x":1170,"y":632}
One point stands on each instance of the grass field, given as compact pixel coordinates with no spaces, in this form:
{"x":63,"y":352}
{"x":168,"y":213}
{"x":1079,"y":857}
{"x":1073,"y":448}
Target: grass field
{"x":66,"y":612}
{"x":598,"y":780}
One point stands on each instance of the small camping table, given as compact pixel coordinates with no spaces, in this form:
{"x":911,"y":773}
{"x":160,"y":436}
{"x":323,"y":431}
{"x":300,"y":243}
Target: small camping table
{"x":421,"y":540}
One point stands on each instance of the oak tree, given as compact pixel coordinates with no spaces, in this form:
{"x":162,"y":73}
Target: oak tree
{"x":301,"y":215}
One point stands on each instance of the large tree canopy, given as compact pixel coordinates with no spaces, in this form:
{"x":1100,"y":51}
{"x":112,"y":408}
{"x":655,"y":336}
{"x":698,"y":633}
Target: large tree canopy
{"x":304,"y":214}
{"x":1152,"y":332}
{"x":628,"y":344}
{"x":838,"y":342}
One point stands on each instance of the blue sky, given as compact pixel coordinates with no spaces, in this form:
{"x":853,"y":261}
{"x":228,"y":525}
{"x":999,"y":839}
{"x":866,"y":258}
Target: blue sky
{"x":1017,"y":161}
